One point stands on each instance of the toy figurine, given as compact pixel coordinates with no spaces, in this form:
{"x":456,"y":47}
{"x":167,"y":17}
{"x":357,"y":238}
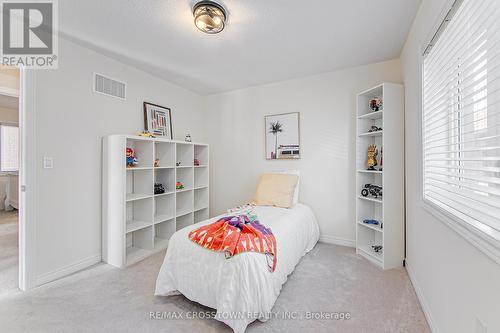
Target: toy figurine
{"x":159,"y":189}
{"x":179,"y":186}
{"x":374,"y":129}
{"x":196,"y":162}
{"x":373,"y":190}
{"x":375,"y":104}
{"x":372,"y":157}
{"x":178,"y":163}
{"x":187,"y":138}
{"x":368,"y":221}
{"x":377,"y":248}
{"x":157,"y":163}
{"x":147,"y":134}
{"x":131,"y":159}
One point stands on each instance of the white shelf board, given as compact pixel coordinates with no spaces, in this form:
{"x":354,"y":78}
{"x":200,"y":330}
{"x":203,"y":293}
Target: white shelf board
{"x":184,"y":166}
{"x":164,"y":167}
{"x":162,"y":194}
{"x":184,"y":190}
{"x":137,"y":196}
{"x":369,"y":134}
{"x":201,"y":166}
{"x":372,"y":115}
{"x":136,"y":225}
{"x":163,"y":218}
{"x":139,"y":168}
{"x":200,"y":208}
{"x":200,"y":187}
{"x":184,"y":212}
{"x":371,"y":171}
{"x":135,"y":254}
{"x":376,"y":257}
{"x":370,"y":199}
{"x":371,"y":226}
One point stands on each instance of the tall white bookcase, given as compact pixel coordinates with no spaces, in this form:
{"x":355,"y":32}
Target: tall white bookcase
{"x":388,"y":209}
{"x":136,"y":222}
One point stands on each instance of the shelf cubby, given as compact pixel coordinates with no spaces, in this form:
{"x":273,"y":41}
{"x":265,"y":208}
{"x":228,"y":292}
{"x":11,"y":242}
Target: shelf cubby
{"x":185,"y":154}
{"x":184,"y":221}
{"x":143,"y":150}
{"x":185,"y":176}
{"x":184,"y":203}
{"x":200,"y":177}
{"x":164,"y":208}
{"x":139,"y":214}
{"x":139,"y":244}
{"x":166,"y":177}
{"x":139,"y":184}
{"x":200,"y":215}
{"x":201,"y":154}
{"x":200,"y":198}
{"x":165,"y":153}
{"x":163,"y":232}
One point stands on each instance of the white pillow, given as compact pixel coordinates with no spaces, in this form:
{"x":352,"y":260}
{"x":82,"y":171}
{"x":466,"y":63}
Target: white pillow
{"x":295,"y":199}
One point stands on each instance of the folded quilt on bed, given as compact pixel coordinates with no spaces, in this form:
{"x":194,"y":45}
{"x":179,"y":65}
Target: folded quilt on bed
{"x":237,"y":234}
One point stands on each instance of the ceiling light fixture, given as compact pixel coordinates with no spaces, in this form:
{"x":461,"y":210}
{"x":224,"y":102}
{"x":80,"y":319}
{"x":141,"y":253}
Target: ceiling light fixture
{"x":209,"y":17}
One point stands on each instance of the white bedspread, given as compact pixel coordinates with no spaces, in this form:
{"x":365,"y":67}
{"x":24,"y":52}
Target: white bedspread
{"x":242,"y":286}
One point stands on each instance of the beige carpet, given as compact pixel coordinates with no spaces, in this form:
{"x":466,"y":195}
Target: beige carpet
{"x":9,"y":250}
{"x":330,"y":279}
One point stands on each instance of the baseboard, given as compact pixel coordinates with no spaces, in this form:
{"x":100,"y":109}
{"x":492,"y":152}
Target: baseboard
{"x":421,"y":298}
{"x":70,"y":269}
{"x":337,"y":241}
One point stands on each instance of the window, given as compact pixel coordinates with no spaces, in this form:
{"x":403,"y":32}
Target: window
{"x":461,"y":116}
{"x":9,"y":148}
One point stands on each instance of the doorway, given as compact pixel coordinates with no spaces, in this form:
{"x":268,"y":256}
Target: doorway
{"x":9,"y":179}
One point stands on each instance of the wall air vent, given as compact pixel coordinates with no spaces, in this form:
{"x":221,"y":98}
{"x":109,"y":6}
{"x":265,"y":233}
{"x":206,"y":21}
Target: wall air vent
{"x":107,"y":86}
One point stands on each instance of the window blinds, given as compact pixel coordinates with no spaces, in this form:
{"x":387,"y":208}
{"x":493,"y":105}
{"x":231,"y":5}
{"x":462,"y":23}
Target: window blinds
{"x":461,"y":116}
{"x":9,"y":148}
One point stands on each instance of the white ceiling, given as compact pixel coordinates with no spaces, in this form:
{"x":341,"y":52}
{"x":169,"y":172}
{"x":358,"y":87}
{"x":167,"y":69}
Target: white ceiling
{"x":264,"y":41}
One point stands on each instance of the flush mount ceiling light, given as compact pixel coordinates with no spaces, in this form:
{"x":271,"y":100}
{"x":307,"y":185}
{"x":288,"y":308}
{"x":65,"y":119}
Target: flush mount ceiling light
{"x":209,"y":17}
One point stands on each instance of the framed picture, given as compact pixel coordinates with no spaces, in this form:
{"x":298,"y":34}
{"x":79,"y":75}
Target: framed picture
{"x":282,"y":136}
{"x":158,"y":120}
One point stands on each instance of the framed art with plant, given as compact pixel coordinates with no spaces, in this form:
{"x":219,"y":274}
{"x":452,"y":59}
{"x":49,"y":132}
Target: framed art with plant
{"x":282,"y":136}
{"x":158,"y":120}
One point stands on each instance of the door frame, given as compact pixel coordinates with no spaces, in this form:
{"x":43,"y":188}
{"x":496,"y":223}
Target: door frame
{"x":27,"y":180}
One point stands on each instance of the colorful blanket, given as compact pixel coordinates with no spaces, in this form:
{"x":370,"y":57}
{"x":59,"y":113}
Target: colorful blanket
{"x":236,"y":234}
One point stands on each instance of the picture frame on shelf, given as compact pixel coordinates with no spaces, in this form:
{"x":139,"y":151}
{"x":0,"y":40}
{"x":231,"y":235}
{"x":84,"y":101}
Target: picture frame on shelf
{"x":158,"y":120}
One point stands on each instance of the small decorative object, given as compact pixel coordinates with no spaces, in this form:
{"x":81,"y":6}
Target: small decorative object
{"x":374,"y":129}
{"x":131,"y":159}
{"x":372,"y":157}
{"x":179,"y":186}
{"x":371,"y":221}
{"x":146,"y":134}
{"x":157,"y":120}
{"x":373,"y":190}
{"x":178,"y":163}
{"x":377,"y":248}
{"x":157,"y":163}
{"x":159,"y":189}
{"x":196,"y":162}
{"x":187,"y":138}
{"x":375,"y":104}
{"x":282,"y":136}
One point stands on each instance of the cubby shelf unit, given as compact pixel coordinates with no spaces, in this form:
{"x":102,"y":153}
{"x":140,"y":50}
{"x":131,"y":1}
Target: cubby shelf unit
{"x":136,"y":222}
{"x":388,"y":209}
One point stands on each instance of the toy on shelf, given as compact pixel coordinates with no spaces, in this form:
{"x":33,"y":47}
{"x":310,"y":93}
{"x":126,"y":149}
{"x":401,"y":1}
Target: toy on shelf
{"x":179,"y":186}
{"x":373,"y":190}
{"x":196,"y":162}
{"x":374,"y":129}
{"x":377,"y":248}
{"x":372,"y":157}
{"x":157,"y":163}
{"x":147,"y":134}
{"x":187,"y":138}
{"x":131,"y":159}
{"x":178,"y":164}
{"x":375,"y":104}
{"x":159,"y":189}
{"x":369,"y":221}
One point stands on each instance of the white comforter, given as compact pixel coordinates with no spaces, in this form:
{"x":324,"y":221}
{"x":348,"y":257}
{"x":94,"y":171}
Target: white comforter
{"x":242,"y":286}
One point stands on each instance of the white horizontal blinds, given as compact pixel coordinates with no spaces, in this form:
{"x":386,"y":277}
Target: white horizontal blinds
{"x":461,"y":115}
{"x":9,"y":148}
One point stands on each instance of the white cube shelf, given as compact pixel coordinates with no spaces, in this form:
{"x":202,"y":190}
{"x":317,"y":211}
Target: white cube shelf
{"x":388,"y":209}
{"x":137,"y":222}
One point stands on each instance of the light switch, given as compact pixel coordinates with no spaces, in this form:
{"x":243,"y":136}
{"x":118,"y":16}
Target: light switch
{"x":48,"y":162}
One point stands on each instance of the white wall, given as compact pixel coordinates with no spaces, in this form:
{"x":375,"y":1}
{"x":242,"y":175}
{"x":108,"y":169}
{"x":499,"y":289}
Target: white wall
{"x":456,"y":282}
{"x":326,"y":104}
{"x":70,"y":122}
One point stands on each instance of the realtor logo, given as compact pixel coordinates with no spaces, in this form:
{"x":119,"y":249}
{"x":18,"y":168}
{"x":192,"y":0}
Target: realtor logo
{"x":29,"y":33}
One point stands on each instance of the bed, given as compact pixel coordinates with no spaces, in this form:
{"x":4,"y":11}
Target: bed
{"x":241,"y":289}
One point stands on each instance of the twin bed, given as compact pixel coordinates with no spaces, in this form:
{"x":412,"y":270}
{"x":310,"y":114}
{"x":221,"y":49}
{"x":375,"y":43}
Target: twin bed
{"x":241,"y":288}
